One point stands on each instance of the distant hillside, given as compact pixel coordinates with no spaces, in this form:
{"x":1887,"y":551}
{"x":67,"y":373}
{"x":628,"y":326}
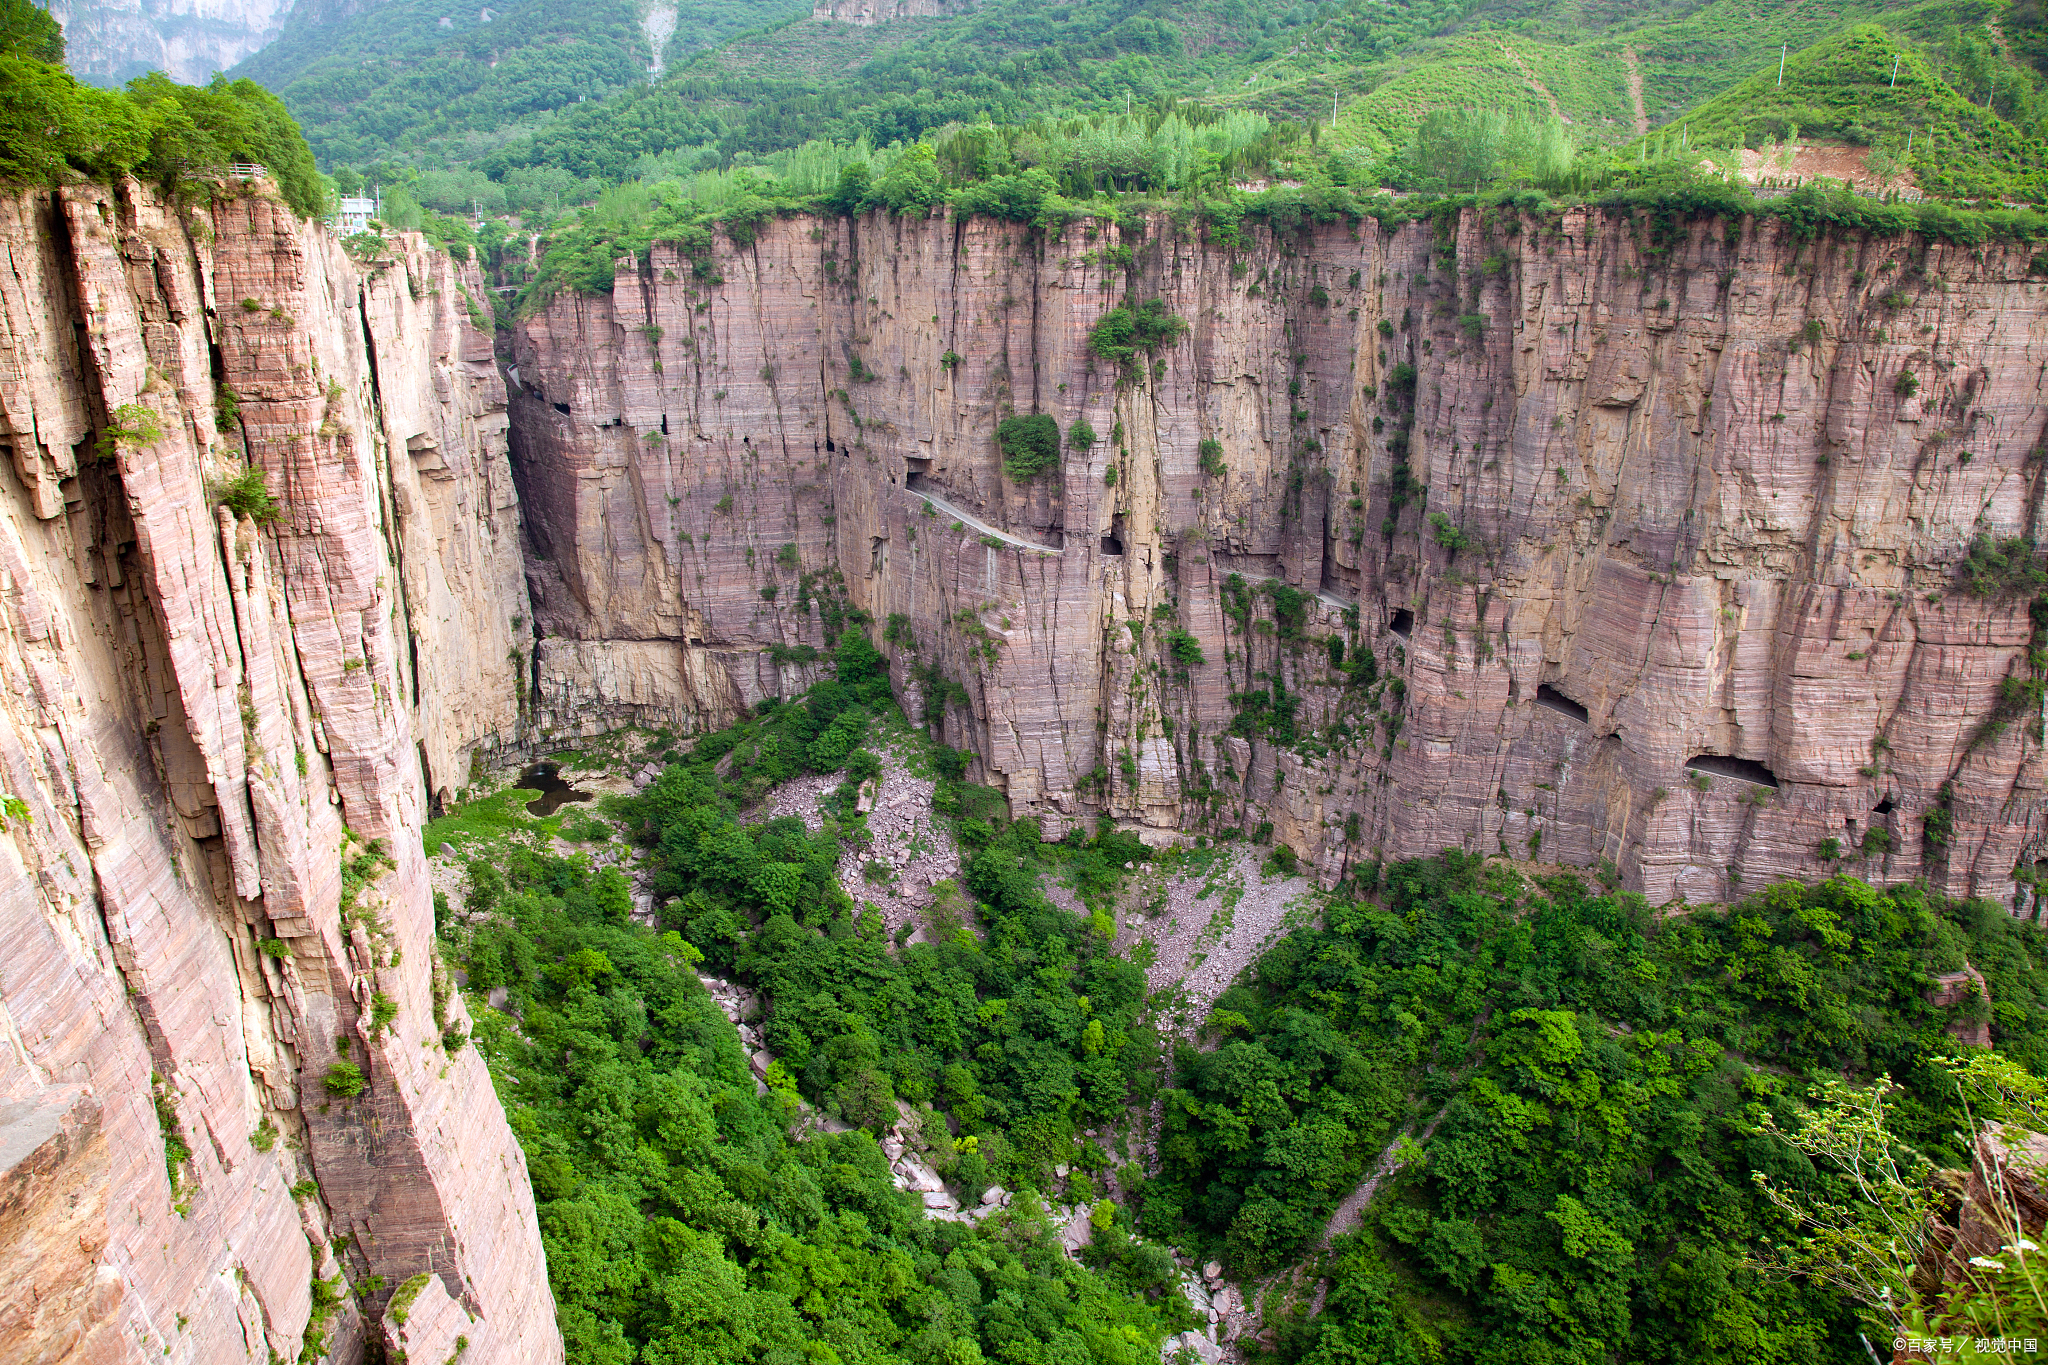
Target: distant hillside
{"x":109,"y":43}
{"x":410,"y":74}
{"x":1844,"y":89}
{"x":537,"y":106}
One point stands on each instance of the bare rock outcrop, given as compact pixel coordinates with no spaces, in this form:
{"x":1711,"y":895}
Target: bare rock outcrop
{"x":210,"y":728}
{"x":868,"y":13}
{"x":191,"y":39}
{"x":1655,"y":552}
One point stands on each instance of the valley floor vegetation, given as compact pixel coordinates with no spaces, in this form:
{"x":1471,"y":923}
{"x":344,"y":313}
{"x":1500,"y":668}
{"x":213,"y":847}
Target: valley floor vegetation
{"x":1583,"y":1092}
{"x":681,"y":1221}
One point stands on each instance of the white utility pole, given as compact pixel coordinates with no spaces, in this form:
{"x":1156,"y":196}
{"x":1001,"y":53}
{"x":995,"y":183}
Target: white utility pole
{"x":1895,"y":70}
{"x":1783,"y":48}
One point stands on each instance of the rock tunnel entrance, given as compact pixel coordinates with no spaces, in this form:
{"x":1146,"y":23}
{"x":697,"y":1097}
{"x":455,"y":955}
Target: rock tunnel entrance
{"x":1113,"y":539}
{"x":1741,"y":769}
{"x":1551,"y":699}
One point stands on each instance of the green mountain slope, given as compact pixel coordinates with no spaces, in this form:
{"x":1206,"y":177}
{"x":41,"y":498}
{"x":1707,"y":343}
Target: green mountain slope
{"x":1843,"y":89}
{"x":538,"y":107}
{"x":410,"y":75}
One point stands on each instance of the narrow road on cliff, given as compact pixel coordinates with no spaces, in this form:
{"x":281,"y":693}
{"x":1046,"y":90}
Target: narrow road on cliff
{"x":977,"y":523}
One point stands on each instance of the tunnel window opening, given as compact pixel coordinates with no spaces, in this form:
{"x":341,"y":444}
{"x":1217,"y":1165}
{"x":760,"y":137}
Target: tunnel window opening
{"x":1741,"y":769}
{"x":1113,"y":541}
{"x":829,"y":445}
{"x":1884,"y":807}
{"x":1551,"y":699}
{"x":1403,"y":623}
{"x":915,"y":472}
{"x":562,"y":408}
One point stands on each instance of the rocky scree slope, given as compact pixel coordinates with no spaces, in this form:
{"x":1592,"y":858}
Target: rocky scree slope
{"x":209,"y":731}
{"x":1601,"y":495}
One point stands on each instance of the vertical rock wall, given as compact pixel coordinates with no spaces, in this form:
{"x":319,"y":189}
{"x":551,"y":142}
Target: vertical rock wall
{"x":202,"y":720}
{"x":117,"y":40}
{"x":1601,"y":496}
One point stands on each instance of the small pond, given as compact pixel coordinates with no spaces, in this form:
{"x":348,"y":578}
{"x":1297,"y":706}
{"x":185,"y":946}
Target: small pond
{"x":546,"y":778}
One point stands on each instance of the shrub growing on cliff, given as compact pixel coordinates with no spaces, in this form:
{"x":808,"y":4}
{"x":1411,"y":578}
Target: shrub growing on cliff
{"x":344,"y":1080}
{"x":1999,"y":568}
{"x":1123,"y":332}
{"x":1186,"y":650}
{"x":248,"y":494}
{"x":1081,"y":436}
{"x":1448,"y":534}
{"x":133,"y":424}
{"x":1030,"y":445}
{"x":227,"y":408}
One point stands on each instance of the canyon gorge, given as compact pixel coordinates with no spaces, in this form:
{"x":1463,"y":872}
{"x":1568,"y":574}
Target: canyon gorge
{"x":1598,"y":539}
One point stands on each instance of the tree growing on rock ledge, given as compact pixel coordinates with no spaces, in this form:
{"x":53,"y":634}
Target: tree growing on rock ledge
{"x":1123,"y":332}
{"x":1031,"y":445}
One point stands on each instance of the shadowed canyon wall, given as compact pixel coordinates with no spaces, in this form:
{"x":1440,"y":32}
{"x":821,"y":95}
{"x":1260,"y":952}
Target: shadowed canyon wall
{"x":203,"y":723}
{"x":1602,"y":498}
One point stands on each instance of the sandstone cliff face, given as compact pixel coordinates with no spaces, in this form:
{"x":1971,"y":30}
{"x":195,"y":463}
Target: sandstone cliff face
{"x":190,"y":39}
{"x":868,"y":13}
{"x":1658,"y":496}
{"x":197,"y":711}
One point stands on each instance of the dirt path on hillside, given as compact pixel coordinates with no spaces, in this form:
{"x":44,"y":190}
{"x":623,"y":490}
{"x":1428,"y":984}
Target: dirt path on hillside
{"x":1635,"y":89}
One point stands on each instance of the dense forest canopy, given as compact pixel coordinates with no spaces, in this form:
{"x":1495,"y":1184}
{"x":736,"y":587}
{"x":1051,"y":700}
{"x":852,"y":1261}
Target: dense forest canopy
{"x":1570,"y":1095}
{"x":481,"y":129}
{"x":568,"y":87}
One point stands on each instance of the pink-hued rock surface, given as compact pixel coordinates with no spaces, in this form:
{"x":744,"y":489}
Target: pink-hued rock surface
{"x":195,"y":712}
{"x":1667,"y":475}
{"x":1601,"y":497}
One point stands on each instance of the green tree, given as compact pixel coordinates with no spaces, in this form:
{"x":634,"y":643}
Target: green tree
{"x":1030,"y":445}
{"x":27,"y":30}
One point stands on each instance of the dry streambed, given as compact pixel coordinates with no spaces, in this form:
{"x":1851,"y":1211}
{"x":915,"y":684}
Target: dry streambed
{"x":1207,"y":919}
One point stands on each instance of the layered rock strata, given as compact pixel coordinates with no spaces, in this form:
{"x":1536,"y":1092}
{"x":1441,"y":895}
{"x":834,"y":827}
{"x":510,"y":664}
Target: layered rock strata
{"x":1654,"y":551}
{"x":868,"y":13}
{"x":214,"y":741}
